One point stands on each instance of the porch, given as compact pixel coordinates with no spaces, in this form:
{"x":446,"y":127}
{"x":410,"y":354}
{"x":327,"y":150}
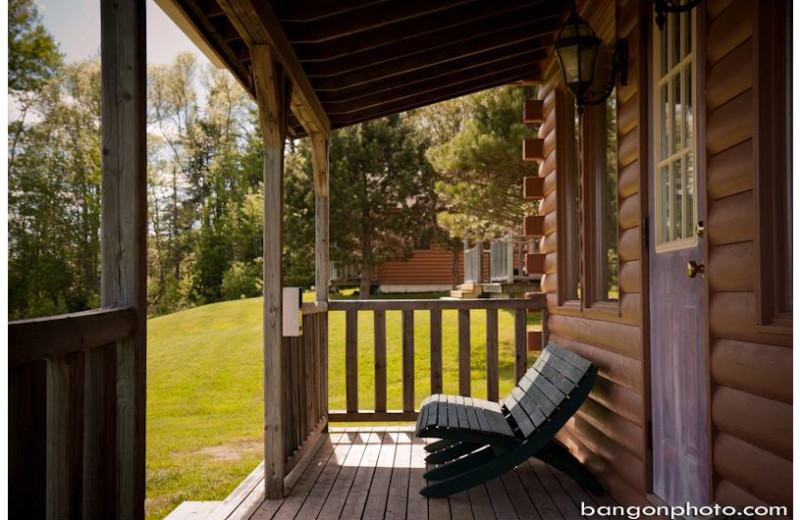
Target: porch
{"x":376,"y":471}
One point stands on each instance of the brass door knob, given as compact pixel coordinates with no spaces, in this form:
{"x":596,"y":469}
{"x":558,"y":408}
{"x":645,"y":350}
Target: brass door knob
{"x":693,"y":269}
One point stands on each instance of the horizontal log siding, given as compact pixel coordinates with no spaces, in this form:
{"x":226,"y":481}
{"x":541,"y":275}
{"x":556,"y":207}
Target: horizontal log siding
{"x":425,"y":267}
{"x":751,"y":403}
{"x":608,"y":433}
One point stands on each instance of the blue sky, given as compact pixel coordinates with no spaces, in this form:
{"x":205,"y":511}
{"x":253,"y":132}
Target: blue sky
{"x":75,"y":24}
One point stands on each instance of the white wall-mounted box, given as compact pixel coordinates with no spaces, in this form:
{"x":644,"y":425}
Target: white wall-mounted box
{"x":292,"y":312}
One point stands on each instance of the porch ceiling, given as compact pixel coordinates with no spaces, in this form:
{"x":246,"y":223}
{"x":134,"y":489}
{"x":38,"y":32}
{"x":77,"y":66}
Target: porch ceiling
{"x":370,"y":58}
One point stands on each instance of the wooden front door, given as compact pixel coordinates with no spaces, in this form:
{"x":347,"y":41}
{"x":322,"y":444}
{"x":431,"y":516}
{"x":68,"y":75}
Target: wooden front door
{"x":677,"y":322}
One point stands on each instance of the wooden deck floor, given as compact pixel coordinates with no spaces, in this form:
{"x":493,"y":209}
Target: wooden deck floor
{"x":375,"y":473}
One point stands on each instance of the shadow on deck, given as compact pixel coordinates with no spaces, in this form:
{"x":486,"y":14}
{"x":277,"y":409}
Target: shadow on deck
{"x":376,"y":473}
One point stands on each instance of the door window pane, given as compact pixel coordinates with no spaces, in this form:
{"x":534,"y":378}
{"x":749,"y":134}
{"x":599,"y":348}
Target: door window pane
{"x":676,"y":182}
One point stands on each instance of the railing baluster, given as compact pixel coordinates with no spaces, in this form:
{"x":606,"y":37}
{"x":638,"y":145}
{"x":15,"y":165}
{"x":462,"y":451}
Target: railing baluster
{"x":436,"y":351}
{"x":492,"y":362}
{"x":520,"y":343}
{"x":65,"y":386}
{"x":464,"y":364}
{"x":379,"y":322}
{"x":408,"y":360}
{"x":351,"y":359}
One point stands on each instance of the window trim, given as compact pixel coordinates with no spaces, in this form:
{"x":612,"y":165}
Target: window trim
{"x":569,"y":275}
{"x":771,"y":149}
{"x":593,"y":135}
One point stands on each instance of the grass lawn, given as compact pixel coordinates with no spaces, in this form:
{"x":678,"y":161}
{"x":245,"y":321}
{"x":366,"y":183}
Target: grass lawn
{"x":205,"y":402}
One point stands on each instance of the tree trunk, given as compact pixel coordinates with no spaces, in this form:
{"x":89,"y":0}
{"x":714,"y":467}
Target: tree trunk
{"x":366,"y":284}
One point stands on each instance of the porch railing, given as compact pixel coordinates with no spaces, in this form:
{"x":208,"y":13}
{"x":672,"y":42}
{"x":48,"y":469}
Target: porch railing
{"x":473,"y":264}
{"x":378,"y":308}
{"x":305,"y":368}
{"x":70,"y":413}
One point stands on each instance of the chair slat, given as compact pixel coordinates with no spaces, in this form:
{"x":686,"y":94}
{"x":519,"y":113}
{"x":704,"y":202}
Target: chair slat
{"x":546,"y":387}
{"x":529,"y":405}
{"x":570,"y":357}
{"x":569,"y":371}
{"x":559,"y":381}
{"x":522,"y":419}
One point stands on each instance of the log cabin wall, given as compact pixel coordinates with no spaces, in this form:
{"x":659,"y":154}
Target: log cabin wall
{"x":608,"y":434}
{"x":751,"y":368}
{"x":750,"y":365}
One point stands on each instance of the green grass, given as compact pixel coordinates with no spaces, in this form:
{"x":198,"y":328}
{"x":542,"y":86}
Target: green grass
{"x":205,"y":401}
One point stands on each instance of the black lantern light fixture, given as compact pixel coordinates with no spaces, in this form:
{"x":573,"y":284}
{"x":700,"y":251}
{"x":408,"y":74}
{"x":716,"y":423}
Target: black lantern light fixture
{"x":577,"y":47}
{"x":662,"y":7}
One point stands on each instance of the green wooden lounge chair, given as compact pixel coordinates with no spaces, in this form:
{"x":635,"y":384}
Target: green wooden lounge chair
{"x":481,"y":440}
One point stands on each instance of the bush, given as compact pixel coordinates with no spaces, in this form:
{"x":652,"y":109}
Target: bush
{"x":242,"y":280}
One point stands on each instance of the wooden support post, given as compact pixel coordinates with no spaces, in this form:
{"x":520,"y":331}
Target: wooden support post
{"x":272,"y":93}
{"x":124,"y":238}
{"x":319,"y":155}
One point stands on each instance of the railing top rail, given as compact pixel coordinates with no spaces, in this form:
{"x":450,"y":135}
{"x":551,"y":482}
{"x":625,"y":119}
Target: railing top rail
{"x":56,"y":336}
{"x":534,"y":302}
{"x":314,"y":307}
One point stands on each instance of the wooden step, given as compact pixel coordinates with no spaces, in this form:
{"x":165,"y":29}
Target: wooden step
{"x":191,"y":510}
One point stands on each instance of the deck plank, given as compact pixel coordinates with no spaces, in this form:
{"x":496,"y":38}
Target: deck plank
{"x":538,"y":495}
{"x":481,"y":505}
{"x":525,"y":509}
{"x":359,"y":491}
{"x":379,"y":490}
{"x":417,"y":504}
{"x":298,"y":494}
{"x":501,"y":503}
{"x":319,"y":493}
{"x":396,"y":505}
{"x":334,"y":504}
{"x":556,"y":491}
{"x":377,"y":472}
{"x":460,"y":506}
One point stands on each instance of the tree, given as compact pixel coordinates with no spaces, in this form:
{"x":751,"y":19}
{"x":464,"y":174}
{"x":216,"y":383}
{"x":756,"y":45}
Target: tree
{"x":54,"y":199}
{"x":381,"y":193}
{"x":478,"y":164}
{"x":33,"y":55}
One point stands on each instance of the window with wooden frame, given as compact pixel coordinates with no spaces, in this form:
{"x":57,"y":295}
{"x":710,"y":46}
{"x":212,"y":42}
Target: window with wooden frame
{"x":601,"y":225}
{"x":569,"y":200}
{"x":773,"y":155}
{"x":674,"y":136}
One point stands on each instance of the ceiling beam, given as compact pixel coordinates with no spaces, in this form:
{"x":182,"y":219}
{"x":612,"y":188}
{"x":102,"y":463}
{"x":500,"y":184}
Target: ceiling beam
{"x":484,"y":34}
{"x":419,"y":79}
{"x":257,"y":24}
{"x":413,"y":35}
{"x":370,"y":16}
{"x":440,"y":61}
{"x":305,"y":11}
{"x":410,"y":103}
{"x":517,"y":63}
{"x":430,"y":88}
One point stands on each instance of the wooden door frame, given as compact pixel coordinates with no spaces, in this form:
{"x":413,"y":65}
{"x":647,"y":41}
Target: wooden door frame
{"x":645,"y":72}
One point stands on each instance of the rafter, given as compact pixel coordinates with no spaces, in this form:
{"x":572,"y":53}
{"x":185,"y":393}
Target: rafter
{"x":430,"y":87}
{"x":370,"y":16}
{"x":410,"y":103}
{"x":453,"y":72}
{"x":258,"y":25}
{"x":449,"y":59}
{"x":490,"y":29}
{"x":409,"y":35}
